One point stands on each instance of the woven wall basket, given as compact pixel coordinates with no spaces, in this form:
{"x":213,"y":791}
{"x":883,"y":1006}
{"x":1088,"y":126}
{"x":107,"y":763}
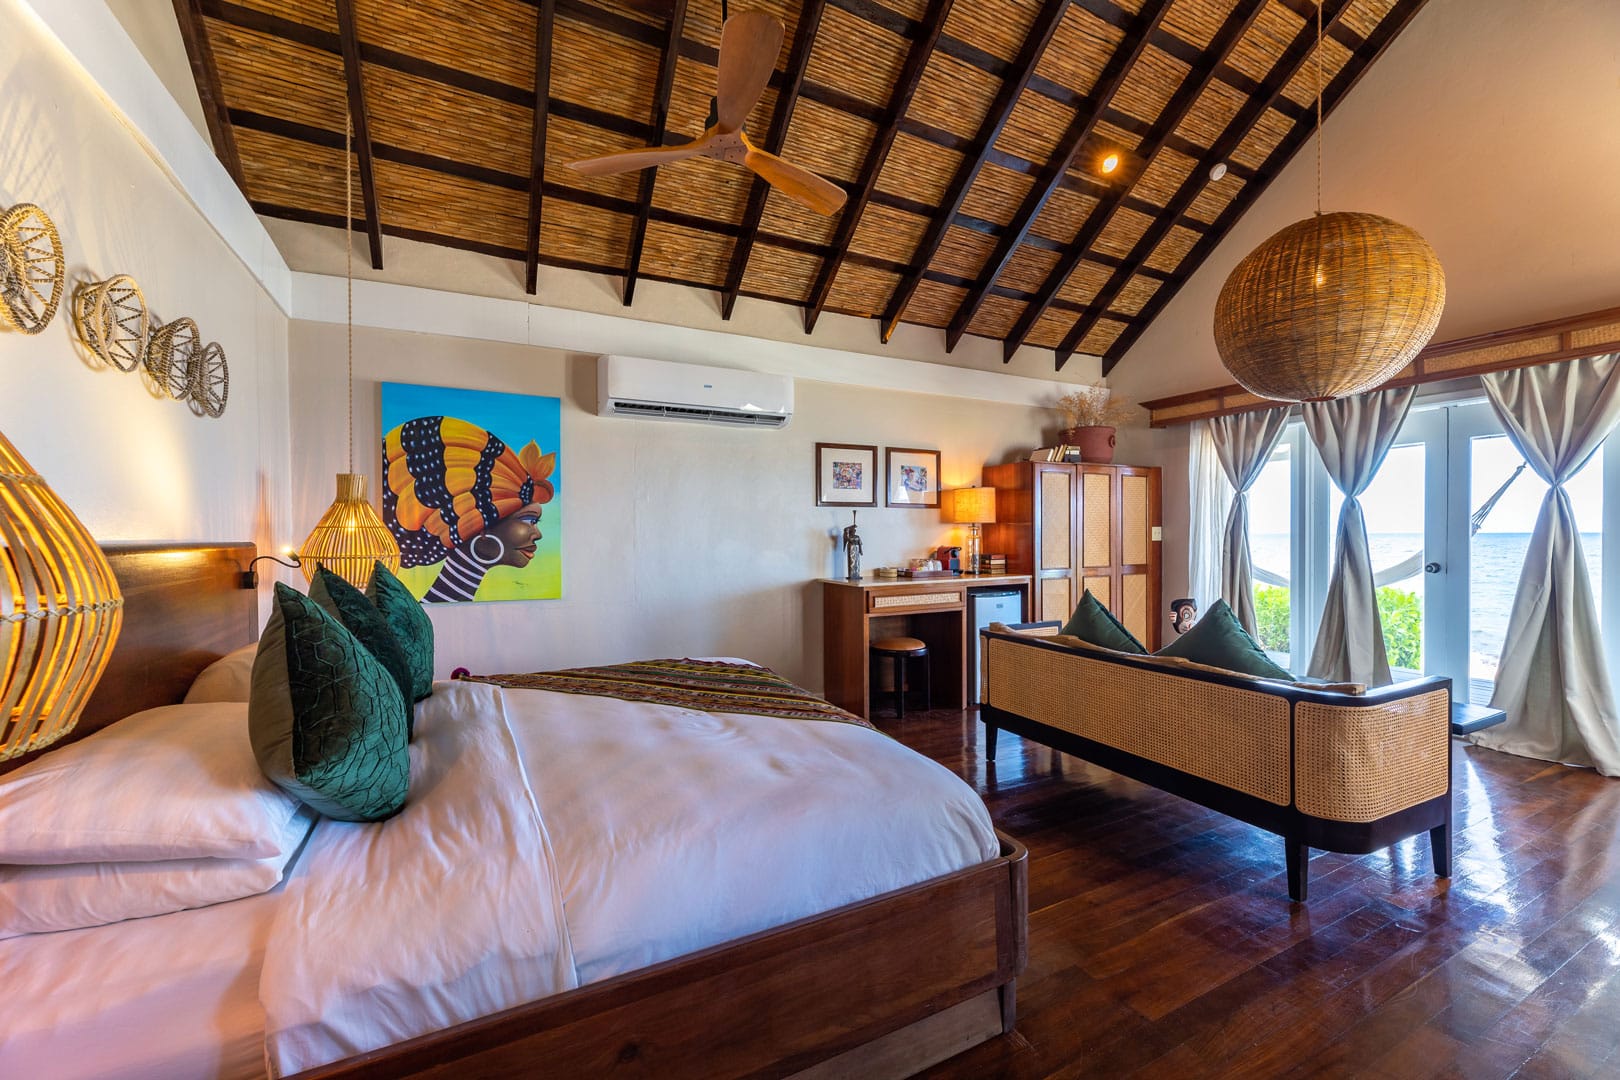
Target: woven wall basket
{"x":1330,"y":306}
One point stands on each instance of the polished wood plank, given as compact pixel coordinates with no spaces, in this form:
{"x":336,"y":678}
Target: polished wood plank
{"x":1162,"y":942}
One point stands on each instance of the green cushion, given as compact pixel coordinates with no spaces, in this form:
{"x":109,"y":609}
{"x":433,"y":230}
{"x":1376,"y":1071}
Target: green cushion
{"x":1096,"y":625}
{"x":349,"y":606}
{"x":326,"y":719}
{"x":410,"y":625}
{"x":1219,"y":640}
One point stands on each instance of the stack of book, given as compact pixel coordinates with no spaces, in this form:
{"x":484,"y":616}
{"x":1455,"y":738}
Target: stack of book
{"x":1055,"y":453}
{"x":992,"y":564}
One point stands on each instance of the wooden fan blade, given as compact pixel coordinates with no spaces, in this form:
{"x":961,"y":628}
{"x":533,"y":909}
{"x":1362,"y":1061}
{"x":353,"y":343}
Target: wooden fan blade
{"x":749,"y":44}
{"x":797,"y":183}
{"x":630,"y":160}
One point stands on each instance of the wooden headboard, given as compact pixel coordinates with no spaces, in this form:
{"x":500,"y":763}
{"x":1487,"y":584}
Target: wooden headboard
{"x":184,"y":608}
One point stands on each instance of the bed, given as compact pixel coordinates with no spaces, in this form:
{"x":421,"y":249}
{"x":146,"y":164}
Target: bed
{"x":821,"y":941}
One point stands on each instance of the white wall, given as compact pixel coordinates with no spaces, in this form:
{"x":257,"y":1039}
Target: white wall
{"x":678,"y":539}
{"x":132,"y":465}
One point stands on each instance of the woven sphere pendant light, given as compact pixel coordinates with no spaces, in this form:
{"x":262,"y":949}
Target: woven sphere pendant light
{"x":1333,"y":305}
{"x":60,"y":610}
{"x":350,"y":539}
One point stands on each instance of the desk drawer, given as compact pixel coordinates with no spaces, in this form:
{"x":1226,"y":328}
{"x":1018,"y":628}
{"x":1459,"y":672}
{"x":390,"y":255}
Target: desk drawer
{"x":930,"y":600}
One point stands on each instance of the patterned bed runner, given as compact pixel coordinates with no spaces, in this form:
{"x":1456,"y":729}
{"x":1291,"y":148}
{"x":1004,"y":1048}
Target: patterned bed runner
{"x":703,"y":685}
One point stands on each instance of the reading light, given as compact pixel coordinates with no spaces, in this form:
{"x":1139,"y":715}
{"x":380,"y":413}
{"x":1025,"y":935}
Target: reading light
{"x":289,"y":558}
{"x":1109,"y":163}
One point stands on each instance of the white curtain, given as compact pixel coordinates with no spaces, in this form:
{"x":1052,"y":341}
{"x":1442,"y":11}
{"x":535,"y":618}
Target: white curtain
{"x":1243,"y":443}
{"x":1552,"y":682}
{"x":1353,"y":434}
{"x":1211,"y":496}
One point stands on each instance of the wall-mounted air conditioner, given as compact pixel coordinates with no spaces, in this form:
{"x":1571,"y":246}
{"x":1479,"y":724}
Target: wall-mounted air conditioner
{"x":660,"y":390}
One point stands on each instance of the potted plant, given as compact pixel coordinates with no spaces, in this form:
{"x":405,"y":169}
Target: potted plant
{"x":1091,"y":414}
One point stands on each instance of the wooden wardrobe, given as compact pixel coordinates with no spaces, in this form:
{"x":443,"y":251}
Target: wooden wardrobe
{"x":1078,"y":527}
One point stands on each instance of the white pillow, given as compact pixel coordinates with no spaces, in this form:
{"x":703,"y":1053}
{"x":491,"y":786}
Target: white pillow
{"x":44,"y":899}
{"x":176,"y":782}
{"x":230,"y":678}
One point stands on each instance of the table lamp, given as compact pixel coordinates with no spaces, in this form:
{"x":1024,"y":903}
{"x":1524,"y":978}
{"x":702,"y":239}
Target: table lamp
{"x":971,"y":506}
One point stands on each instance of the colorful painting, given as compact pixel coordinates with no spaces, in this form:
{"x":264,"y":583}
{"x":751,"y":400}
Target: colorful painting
{"x":913,"y":477}
{"x":847,"y":475}
{"x":471,"y":490}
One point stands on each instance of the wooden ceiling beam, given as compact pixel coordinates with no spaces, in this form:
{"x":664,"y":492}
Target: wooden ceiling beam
{"x":1051,"y":177}
{"x":660,"y":123}
{"x":1237,"y":129}
{"x":921,"y":48}
{"x":1361,"y":60}
{"x":804,"y":38}
{"x":545,"y":19}
{"x":205,"y":72}
{"x":1001,"y":108}
{"x":350,"y":44}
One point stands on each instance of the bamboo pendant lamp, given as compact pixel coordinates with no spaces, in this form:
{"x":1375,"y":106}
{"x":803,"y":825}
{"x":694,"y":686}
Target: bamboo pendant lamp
{"x":1330,"y":306}
{"x":350,"y":539}
{"x":60,"y":610}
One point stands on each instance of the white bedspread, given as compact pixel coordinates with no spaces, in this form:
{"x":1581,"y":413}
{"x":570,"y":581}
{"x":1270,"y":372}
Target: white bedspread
{"x":622,"y":834}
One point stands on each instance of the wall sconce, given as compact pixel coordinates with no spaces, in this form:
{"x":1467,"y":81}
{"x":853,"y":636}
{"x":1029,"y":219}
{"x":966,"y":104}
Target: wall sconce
{"x":250,"y":577}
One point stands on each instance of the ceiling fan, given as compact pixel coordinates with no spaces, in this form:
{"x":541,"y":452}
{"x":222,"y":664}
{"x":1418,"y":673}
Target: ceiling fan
{"x":749,"y":43}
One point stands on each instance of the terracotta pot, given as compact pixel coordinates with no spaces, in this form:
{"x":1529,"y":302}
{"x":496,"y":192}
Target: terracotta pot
{"x":1096,"y":443}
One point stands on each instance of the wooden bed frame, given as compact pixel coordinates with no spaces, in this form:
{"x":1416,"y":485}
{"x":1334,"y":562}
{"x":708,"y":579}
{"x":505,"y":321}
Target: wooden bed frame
{"x":881,"y":988}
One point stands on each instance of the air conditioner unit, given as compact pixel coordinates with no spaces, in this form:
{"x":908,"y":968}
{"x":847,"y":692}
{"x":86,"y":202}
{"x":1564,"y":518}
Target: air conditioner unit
{"x":660,"y":390}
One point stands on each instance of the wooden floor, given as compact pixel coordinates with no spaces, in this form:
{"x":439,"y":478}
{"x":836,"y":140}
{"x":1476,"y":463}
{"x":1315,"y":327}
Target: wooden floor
{"x":1162,"y":942}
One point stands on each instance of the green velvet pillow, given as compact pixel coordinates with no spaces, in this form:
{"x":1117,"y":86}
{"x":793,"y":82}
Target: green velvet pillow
{"x":1096,"y":625}
{"x":1219,"y":640}
{"x":410,"y":624}
{"x":349,"y":606}
{"x":326,"y":719}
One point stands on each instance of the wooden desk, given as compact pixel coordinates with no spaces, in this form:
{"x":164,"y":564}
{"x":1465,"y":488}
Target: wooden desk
{"x":855,"y":613}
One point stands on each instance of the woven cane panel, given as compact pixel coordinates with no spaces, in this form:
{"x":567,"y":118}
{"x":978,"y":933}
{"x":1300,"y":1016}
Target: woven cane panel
{"x":996,"y":317}
{"x":1057,"y":489}
{"x":1029,"y":268}
{"x":493,"y":38}
{"x":1136,"y":536}
{"x":1098,"y":538}
{"x":1361,"y":764}
{"x":780,"y":272}
{"x":784,"y":217}
{"x":1104,"y":334}
{"x":1052,"y":327}
{"x":1594,"y":335}
{"x":1057,"y":598}
{"x":1133,"y":604}
{"x":1508,"y":350}
{"x":915,"y":600}
{"x":996,"y":194}
{"x":1215,"y":198}
{"x":1063,"y":215}
{"x":1226,"y":735}
{"x":1102,"y":587}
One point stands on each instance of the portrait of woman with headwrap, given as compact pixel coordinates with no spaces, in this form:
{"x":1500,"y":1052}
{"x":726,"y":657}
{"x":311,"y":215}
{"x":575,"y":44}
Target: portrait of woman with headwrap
{"x":458,"y":495}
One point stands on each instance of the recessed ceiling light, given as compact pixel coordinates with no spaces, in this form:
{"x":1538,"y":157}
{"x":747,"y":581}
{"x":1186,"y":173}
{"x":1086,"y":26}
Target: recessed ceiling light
{"x":1218,"y":171}
{"x":1109,"y":163}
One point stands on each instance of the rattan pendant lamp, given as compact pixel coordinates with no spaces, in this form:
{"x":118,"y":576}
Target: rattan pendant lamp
{"x":350,"y":538}
{"x":1330,"y":306}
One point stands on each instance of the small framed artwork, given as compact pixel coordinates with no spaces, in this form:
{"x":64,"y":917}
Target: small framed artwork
{"x":846,"y":475}
{"x":912,"y":477}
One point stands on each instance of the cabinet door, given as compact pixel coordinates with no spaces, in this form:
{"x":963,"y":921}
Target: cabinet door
{"x":1137,"y":507}
{"x":1098,"y":539}
{"x":1055,"y":594}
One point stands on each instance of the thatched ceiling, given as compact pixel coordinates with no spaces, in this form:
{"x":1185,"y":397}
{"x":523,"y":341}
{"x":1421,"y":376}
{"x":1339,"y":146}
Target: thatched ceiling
{"x":968,"y":135}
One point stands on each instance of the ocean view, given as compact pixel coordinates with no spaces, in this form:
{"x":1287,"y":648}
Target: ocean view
{"x":1497,"y":560}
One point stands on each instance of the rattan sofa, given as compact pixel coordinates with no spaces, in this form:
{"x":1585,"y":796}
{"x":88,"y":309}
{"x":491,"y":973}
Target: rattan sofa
{"x":1328,"y":769}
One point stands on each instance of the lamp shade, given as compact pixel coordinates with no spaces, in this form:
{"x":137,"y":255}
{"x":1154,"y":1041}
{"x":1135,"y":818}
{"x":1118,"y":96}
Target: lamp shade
{"x":350,"y":536}
{"x":60,"y":610}
{"x":970,"y":505}
{"x":1330,"y":306}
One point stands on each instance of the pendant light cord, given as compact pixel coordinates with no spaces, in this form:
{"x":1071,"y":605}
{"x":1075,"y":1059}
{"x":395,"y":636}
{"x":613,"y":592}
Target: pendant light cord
{"x":1319,"y":4}
{"x":348,"y":270}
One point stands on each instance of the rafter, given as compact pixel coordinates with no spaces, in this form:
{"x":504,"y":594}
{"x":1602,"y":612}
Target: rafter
{"x":349,"y":43}
{"x":922,"y":47}
{"x":200,"y":55}
{"x":1298,"y":51}
{"x":660,"y":123}
{"x":545,"y":20}
{"x":1360,"y":61}
{"x":1040,"y":35}
{"x":1298,"y":54}
{"x":804,"y":37}
{"x":1051,"y":177}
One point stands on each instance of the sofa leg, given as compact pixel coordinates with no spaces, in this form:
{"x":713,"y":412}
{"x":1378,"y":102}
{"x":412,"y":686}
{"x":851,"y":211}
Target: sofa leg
{"x":1440,"y":844}
{"x":990,"y":740}
{"x":1299,"y":858}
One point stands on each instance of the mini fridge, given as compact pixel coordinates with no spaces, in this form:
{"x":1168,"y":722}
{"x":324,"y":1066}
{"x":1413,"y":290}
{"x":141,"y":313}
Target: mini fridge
{"x":985,"y":606}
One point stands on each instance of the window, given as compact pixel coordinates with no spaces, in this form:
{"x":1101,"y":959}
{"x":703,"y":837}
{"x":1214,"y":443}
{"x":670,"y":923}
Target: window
{"x":1271,"y":548}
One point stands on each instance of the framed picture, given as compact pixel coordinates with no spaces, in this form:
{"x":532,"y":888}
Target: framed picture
{"x":472,"y":486}
{"x":846,"y":475}
{"x":912,"y":477}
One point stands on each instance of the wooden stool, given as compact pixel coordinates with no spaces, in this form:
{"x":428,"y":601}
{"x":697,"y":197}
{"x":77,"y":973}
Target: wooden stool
{"x":900,"y":649}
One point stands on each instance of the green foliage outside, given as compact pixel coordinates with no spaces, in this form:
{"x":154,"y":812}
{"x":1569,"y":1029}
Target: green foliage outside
{"x":1401,"y":613}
